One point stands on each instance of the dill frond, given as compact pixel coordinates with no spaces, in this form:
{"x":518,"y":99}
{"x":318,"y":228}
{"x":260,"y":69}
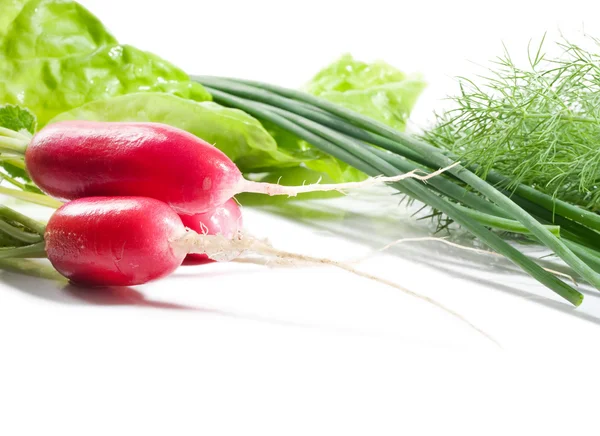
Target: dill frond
{"x":539,"y":125}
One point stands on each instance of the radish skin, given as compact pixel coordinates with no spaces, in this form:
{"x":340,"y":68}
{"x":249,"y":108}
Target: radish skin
{"x":76,"y":159}
{"x":114,"y":241}
{"x":225,"y":220}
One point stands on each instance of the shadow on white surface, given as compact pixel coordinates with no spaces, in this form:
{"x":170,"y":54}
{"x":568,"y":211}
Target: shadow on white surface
{"x":56,"y":289}
{"x":374,"y":227}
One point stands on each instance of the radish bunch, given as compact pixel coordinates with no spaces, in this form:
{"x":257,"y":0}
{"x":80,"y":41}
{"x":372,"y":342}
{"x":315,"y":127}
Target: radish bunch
{"x":144,"y":196}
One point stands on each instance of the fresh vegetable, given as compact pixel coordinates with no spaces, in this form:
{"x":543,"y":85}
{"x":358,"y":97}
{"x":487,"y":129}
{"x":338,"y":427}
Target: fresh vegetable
{"x":537,"y":125}
{"x":225,"y":220}
{"x":55,"y":55}
{"x":66,"y":60}
{"x":240,"y":136}
{"x":348,"y":135}
{"x":75,"y":159}
{"x":125,"y":241}
{"x":376,"y":90}
{"x":114,"y":241}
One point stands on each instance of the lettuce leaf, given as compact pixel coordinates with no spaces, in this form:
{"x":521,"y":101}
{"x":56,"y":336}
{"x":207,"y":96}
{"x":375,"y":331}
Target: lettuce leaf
{"x":376,"y":90}
{"x":58,"y":60}
{"x":51,"y":29}
{"x":49,"y":86}
{"x":237,"y":134}
{"x":10,"y":9}
{"x":22,"y":121}
{"x":17,"y":119}
{"x":55,"y":56}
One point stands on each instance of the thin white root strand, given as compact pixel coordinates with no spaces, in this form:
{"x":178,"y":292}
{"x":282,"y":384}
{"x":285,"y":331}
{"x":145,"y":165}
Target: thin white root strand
{"x":292,"y":191}
{"x":222,"y":249}
{"x":455,"y":245}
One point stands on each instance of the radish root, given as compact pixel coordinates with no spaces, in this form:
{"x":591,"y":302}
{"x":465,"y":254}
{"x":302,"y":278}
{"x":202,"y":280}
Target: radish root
{"x":222,"y":249}
{"x":292,"y":191}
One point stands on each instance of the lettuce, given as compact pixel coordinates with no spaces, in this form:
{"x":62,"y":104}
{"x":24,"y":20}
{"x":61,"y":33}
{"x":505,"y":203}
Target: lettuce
{"x":59,"y":61}
{"x":55,"y":56}
{"x":237,"y":134}
{"x":376,"y":90}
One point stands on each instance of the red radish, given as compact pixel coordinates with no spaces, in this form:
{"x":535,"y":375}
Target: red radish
{"x":125,"y":241}
{"x":75,"y":159}
{"x":225,"y":220}
{"x":114,"y":241}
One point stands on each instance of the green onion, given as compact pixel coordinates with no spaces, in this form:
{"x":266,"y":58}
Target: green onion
{"x":354,"y":153}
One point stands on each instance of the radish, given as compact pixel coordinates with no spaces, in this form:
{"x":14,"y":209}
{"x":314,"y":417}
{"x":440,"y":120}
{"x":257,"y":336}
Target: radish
{"x":114,"y":241}
{"x":225,"y":220}
{"x":75,"y":159}
{"x":125,"y":241}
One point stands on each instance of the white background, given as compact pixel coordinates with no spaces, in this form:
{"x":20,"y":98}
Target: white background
{"x":237,"y":349}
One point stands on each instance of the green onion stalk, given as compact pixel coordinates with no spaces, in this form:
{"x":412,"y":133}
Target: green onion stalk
{"x":474,"y":203}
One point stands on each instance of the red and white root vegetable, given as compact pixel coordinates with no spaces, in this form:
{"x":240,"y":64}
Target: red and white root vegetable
{"x":225,"y":220}
{"x":105,"y":241}
{"x":76,"y":159}
{"x":124,"y":241}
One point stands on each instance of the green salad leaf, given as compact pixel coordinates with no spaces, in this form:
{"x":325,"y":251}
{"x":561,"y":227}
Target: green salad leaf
{"x":17,"y":118}
{"x":237,"y":134}
{"x":10,"y":9}
{"x":376,"y":90}
{"x":58,"y":60}
{"x":55,"y":56}
{"x":52,"y":29}
{"x":51,"y":86}
{"x":23,"y":122}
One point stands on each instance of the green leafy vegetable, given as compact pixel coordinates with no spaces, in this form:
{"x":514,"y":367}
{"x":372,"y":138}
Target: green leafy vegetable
{"x":52,"y":86}
{"x":53,"y":29}
{"x":16,"y":124}
{"x":234,"y":132}
{"x":539,"y":125}
{"x":470,"y":201}
{"x":376,"y":90}
{"x":10,"y":9}
{"x":55,"y":56}
{"x":17,"y":118}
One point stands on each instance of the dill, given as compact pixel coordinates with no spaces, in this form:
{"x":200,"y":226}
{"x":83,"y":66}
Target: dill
{"x":538,"y":125}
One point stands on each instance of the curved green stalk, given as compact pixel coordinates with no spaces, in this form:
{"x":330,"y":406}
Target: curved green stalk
{"x":433,"y":155}
{"x":12,"y":215}
{"x":444,"y":186}
{"x":592,"y":258}
{"x":13,"y":146}
{"x":495,"y":218}
{"x":555,"y":205}
{"x":32,"y":197}
{"x":19,"y":234}
{"x":28,"y":251}
{"x":31,"y":268}
{"x":339,"y":146}
{"x":299,"y":108}
{"x":336,"y":122}
{"x":12,"y":181}
{"x":503,"y":223}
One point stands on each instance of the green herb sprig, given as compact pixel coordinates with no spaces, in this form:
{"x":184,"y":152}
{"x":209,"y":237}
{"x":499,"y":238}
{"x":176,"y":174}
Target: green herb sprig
{"x":538,"y":125}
